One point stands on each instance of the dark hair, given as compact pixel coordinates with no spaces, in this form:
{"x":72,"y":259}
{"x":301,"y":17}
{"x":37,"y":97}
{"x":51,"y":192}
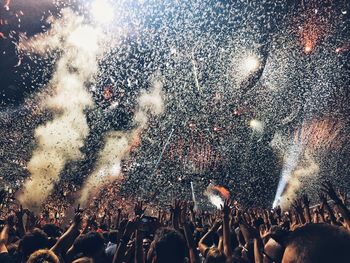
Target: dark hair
{"x":89,"y":244}
{"x":43,"y":255}
{"x":214,"y":255}
{"x":32,"y":241}
{"x":320,"y":243}
{"x":52,"y":230}
{"x":170,"y":246}
{"x":113,"y":236}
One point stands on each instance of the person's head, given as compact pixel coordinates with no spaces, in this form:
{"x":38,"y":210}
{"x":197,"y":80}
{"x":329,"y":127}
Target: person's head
{"x":90,"y":244}
{"x":274,"y":247}
{"x":318,"y":243}
{"x":146,"y":242}
{"x":31,"y":242}
{"x":53,"y":232}
{"x":214,"y":255}
{"x":113,"y":236}
{"x":168,"y":246}
{"x":43,"y":255}
{"x":273,"y":251}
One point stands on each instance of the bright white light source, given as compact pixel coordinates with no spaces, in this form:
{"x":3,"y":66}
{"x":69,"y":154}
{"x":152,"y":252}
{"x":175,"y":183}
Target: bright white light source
{"x":256,"y":125}
{"x":102,"y":11}
{"x":216,"y":200}
{"x":84,"y":37}
{"x":251,"y":64}
{"x":115,"y":169}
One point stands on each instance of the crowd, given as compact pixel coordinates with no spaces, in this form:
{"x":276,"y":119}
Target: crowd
{"x":179,"y":234}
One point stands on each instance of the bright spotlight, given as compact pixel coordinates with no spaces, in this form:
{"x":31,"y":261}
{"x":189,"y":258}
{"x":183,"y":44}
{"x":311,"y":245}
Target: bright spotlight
{"x":102,"y":11}
{"x":251,"y":64}
{"x":256,"y":125}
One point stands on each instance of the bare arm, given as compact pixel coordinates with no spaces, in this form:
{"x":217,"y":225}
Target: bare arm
{"x":67,"y":239}
{"x":328,"y":188}
{"x":138,"y":247}
{"x":307,"y":213}
{"x":226,"y":210}
{"x":4,"y":235}
{"x":194,"y":256}
{"x":203,"y":242}
{"x":120,"y":252}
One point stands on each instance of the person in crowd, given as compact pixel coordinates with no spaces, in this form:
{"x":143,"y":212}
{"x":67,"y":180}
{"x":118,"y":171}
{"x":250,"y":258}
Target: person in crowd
{"x":234,"y":234}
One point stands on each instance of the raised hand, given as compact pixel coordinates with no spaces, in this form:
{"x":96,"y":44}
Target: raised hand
{"x":226,"y":209}
{"x":131,"y":226}
{"x":297,"y":205}
{"x":175,"y":208}
{"x":329,"y":190}
{"x":343,"y":196}
{"x":183,"y":212}
{"x":19,"y":213}
{"x":306,"y":200}
{"x":78,"y":217}
{"x":139,"y":209}
{"x":278,"y":211}
{"x":191,"y":206}
{"x":323,"y":198}
{"x":2,"y":196}
{"x":78,"y":209}
{"x":216,"y":225}
{"x":11,"y":220}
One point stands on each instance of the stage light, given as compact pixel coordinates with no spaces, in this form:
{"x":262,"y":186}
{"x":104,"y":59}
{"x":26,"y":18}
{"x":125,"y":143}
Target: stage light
{"x":256,"y":125}
{"x":251,"y":64}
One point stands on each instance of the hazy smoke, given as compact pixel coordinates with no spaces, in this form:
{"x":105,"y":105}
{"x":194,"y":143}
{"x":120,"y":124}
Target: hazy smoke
{"x":60,"y":140}
{"x":217,"y":195}
{"x":298,"y":163}
{"x":306,"y":167}
{"x":118,"y":144}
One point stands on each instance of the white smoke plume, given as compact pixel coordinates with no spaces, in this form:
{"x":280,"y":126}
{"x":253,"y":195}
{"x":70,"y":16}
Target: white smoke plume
{"x":60,"y":140}
{"x":298,"y":163}
{"x":118,"y":144}
{"x":306,"y":168}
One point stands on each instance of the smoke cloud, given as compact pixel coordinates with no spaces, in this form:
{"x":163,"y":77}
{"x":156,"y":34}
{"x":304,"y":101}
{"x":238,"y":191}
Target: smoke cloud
{"x":76,"y":45}
{"x":119,"y":144}
{"x":298,"y":163}
{"x":306,"y":168}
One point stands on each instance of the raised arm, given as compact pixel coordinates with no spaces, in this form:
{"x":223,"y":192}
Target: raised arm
{"x":226,"y":210}
{"x":306,"y":203}
{"x":203,"y":242}
{"x":120,"y":252}
{"x":328,"y":188}
{"x":192,"y":249}
{"x":19,"y":224}
{"x":138,"y":247}
{"x":176,"y":212}
{"x":4,"y":234}
{"x":67,"y":239}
